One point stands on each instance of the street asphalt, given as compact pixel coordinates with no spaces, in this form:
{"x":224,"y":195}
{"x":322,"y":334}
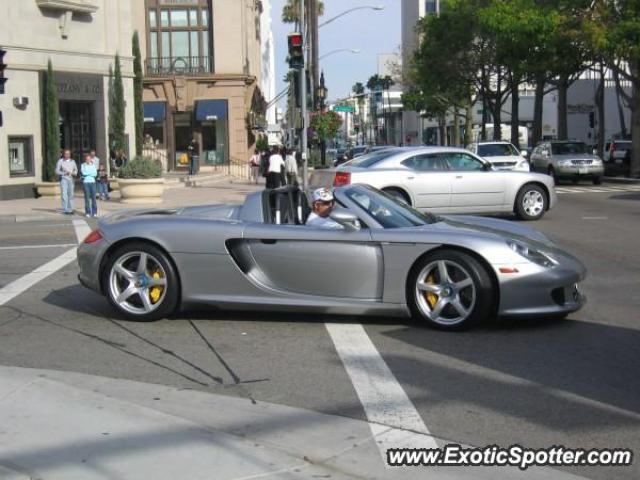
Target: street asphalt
{"x":535,"y":383}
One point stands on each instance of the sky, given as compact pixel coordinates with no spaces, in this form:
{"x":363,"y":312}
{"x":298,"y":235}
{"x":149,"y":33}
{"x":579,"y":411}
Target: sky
{"x":370,"y":31}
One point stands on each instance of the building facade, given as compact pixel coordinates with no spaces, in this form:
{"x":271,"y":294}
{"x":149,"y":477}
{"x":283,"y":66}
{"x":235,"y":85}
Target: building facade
{"x":203,"y":69}
{"x":81,"y":39}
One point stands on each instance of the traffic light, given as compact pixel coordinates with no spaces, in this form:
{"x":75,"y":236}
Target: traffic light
{"x":592,"y":119}
{"x":296,"y":50}
{"x":3,"y":80}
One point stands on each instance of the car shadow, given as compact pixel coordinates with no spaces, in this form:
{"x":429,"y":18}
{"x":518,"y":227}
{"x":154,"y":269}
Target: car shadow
{"x":570,"y":366}
{"x":634,"y":197}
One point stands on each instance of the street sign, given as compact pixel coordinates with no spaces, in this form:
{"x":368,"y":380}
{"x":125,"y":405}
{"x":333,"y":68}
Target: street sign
{"x":343,"y":108}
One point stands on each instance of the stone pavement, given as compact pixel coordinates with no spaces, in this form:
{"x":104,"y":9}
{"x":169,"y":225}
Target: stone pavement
{"x":210,"y":189}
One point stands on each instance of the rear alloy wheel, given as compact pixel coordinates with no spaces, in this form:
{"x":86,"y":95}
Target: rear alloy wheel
{"x":450,"y":290}
{"x":141,"y":283}
{"x":552,"y":173}
{"x":531,"y":202}
{"x":397,"y":194}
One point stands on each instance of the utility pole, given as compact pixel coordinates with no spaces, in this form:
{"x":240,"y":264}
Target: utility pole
{"x":303,"y":106}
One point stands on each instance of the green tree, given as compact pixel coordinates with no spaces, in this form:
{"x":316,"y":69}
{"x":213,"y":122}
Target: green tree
{"x":291,"y":11}
{"x":138,"y":87}
{"x":118,"y":107}
{"x":51,"y":127}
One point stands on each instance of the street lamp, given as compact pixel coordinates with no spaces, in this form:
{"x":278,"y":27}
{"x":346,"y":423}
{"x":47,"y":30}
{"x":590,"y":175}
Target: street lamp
{"x":352,"y":50}
{"x":369,"y":7}
{"x":321,"y":93}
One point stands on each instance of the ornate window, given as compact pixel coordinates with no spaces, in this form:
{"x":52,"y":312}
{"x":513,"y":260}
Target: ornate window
{"x":179,"y":37}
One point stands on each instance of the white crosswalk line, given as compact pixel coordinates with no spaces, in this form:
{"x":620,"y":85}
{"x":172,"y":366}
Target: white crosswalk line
{"x":22,"y":284}
{"x":598,"y":189}
{"x":394,"y":421}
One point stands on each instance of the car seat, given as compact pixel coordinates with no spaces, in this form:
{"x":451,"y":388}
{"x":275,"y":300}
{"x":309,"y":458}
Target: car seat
{"x":286,"y":206}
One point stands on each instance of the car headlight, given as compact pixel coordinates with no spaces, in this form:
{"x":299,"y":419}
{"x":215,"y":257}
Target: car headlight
{"x":597,"y":161}
{"x":523,"y":165}
{"x":533,"y":255}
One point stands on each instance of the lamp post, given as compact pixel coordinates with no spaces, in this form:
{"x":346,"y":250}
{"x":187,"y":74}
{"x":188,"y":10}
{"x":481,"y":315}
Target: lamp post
{"x":369,"y":7}
{"x":321,"y":93}
{"x":352,"y":50}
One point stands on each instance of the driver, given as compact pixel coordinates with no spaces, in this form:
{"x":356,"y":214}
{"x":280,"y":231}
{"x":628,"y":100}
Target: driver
{"x":323,"y":203}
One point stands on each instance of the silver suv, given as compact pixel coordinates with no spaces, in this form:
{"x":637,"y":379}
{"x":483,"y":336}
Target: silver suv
{"x":567,"y":159}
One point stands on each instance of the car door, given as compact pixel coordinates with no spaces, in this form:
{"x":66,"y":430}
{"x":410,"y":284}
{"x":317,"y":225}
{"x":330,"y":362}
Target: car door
{"x":473,"y":187}
{"x":315,"y":261}
{"x":429,"y":181}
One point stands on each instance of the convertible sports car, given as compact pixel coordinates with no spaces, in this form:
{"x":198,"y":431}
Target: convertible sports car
{"x":387,"y":259}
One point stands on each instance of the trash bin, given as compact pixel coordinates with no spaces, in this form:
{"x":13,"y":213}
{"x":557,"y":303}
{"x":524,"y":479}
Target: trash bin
{"x":194,"y":165}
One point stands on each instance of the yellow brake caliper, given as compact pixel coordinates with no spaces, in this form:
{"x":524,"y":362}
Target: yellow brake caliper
{"x":156,"y":291}
{"x":432,"y":298}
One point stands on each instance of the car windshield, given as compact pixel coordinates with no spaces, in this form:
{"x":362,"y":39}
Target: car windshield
{"x":386,"y":210}
{"x":568,"y":148}
{"x":372,"y":158}
{"x":623,"y":146}
{"x":497,"y":150}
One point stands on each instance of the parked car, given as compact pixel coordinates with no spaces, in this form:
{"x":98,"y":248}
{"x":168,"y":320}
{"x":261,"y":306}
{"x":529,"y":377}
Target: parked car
{"x":388,"y":259}
{"x":445,"y":180}
{"x":567,"y":159}
{"x":617,"y":157}
{"x":358,"y":151}
{"x":502,"y":155}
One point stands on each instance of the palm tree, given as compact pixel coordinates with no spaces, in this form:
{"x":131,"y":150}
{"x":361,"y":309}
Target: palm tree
{"x":373,"y":84}
{"x":291,"y":12}
{"x":387,"y":82}
{"x":358,"y":90}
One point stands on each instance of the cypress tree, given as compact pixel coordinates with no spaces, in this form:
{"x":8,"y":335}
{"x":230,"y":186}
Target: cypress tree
{"x":110,"y":100}
{"x":51,"y":127}
{"x":118,"y":107}
{"x":137,"y":92}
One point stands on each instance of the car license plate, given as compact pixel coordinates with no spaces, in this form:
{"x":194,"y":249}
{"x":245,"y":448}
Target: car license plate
{"x":618,"y":160}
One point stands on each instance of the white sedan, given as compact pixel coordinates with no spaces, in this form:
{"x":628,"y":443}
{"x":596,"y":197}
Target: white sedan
{"x":445,"y":180}
{"x":502,"y":155}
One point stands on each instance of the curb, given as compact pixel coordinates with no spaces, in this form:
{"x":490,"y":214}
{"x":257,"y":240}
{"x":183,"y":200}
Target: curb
{"x":624,"y":180}
{"x":5,"y":219}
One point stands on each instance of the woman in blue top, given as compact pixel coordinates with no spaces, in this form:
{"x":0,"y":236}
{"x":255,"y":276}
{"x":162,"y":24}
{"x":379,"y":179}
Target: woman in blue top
{"x":89,"y":174}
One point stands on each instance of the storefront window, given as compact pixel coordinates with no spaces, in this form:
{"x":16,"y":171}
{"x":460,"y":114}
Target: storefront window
{"x":21,"y":156}
{"x":214,"y":145}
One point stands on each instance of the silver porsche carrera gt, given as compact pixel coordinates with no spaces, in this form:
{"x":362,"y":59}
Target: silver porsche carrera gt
{"x":388,"y":259}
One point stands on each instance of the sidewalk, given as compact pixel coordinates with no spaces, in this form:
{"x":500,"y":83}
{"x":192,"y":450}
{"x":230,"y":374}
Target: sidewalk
{"x":71,"y":426}
{"x":207,"y":189}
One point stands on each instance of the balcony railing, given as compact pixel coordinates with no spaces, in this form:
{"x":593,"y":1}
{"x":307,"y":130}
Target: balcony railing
{"x":167,"y":66}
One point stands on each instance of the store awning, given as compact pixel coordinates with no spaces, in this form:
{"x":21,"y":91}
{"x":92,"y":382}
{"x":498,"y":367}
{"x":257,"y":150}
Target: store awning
{"x":154,"y":112}
{"x":211,"y":110}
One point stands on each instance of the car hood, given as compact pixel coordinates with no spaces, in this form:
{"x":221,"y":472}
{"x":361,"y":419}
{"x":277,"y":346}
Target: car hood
{"x":493,"y":227}
{"x":504,"y":158}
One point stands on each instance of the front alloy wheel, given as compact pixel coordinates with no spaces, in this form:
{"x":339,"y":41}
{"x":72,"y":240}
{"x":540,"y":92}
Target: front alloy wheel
{"x":531,"y":202}
{"x":451,"y":290}
{"x":141,"y":283}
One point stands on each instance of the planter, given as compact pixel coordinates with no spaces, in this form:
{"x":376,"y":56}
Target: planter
{"x":113,"y":184}
{"x":141,"y":190}
{"x":49,"y":189}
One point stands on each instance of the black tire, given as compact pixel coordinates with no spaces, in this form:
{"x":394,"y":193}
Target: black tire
{"x":525,"y":207}
{"x":552,"y":173}
{"x":597,"y":180}
{"x":398,"y":194}
{"x":460,"y":265}
{"x":114,"y":282}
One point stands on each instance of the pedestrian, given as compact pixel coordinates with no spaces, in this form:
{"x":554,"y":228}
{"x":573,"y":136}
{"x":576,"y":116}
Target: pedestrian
{"x":67,"y":170}
{"x":254,"y":167}
{"x":94,"y":157}
{"x":103,"y":183}
{"x":276,"y":167}
{"x":291,"y":169}
{"x":119,"y":161}
{"x":89,"y":174}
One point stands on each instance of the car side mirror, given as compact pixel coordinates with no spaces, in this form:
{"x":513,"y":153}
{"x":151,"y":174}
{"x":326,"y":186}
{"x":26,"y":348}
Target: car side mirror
{"x":347,"y":219}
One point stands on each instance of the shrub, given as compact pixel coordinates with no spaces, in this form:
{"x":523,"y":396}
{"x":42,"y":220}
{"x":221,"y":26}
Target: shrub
{"x":141,"y":167}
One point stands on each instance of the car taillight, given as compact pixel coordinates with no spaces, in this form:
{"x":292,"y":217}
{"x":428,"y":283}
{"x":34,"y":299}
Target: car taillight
{"x":342,"y":178}
{"x":93,"y":237}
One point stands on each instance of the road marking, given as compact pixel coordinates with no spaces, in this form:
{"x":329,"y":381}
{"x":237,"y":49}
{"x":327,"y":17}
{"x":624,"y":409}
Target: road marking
{"x":599,"y":189}
{"x":393,"y":419}
{"x":25,"y":247}
{"x":22,"y":284}
{"x":595,"y":218}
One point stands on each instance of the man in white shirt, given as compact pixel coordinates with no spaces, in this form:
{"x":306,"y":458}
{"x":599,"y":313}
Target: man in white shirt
{"x":67,"y":170}
{"x":276,"y":165}
{"x":323,"y":203}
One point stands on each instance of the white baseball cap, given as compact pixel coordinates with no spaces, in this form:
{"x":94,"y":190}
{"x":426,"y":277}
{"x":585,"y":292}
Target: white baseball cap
{"x":322,"y":195}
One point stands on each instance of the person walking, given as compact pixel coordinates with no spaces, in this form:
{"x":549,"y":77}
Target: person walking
{"x":276,"y":166}
{"x":103,"y":183}
{"x":89,"y":174}
{"x":67,"y":170}
{"x":254,"y":167}
{"x":291,"y":169}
